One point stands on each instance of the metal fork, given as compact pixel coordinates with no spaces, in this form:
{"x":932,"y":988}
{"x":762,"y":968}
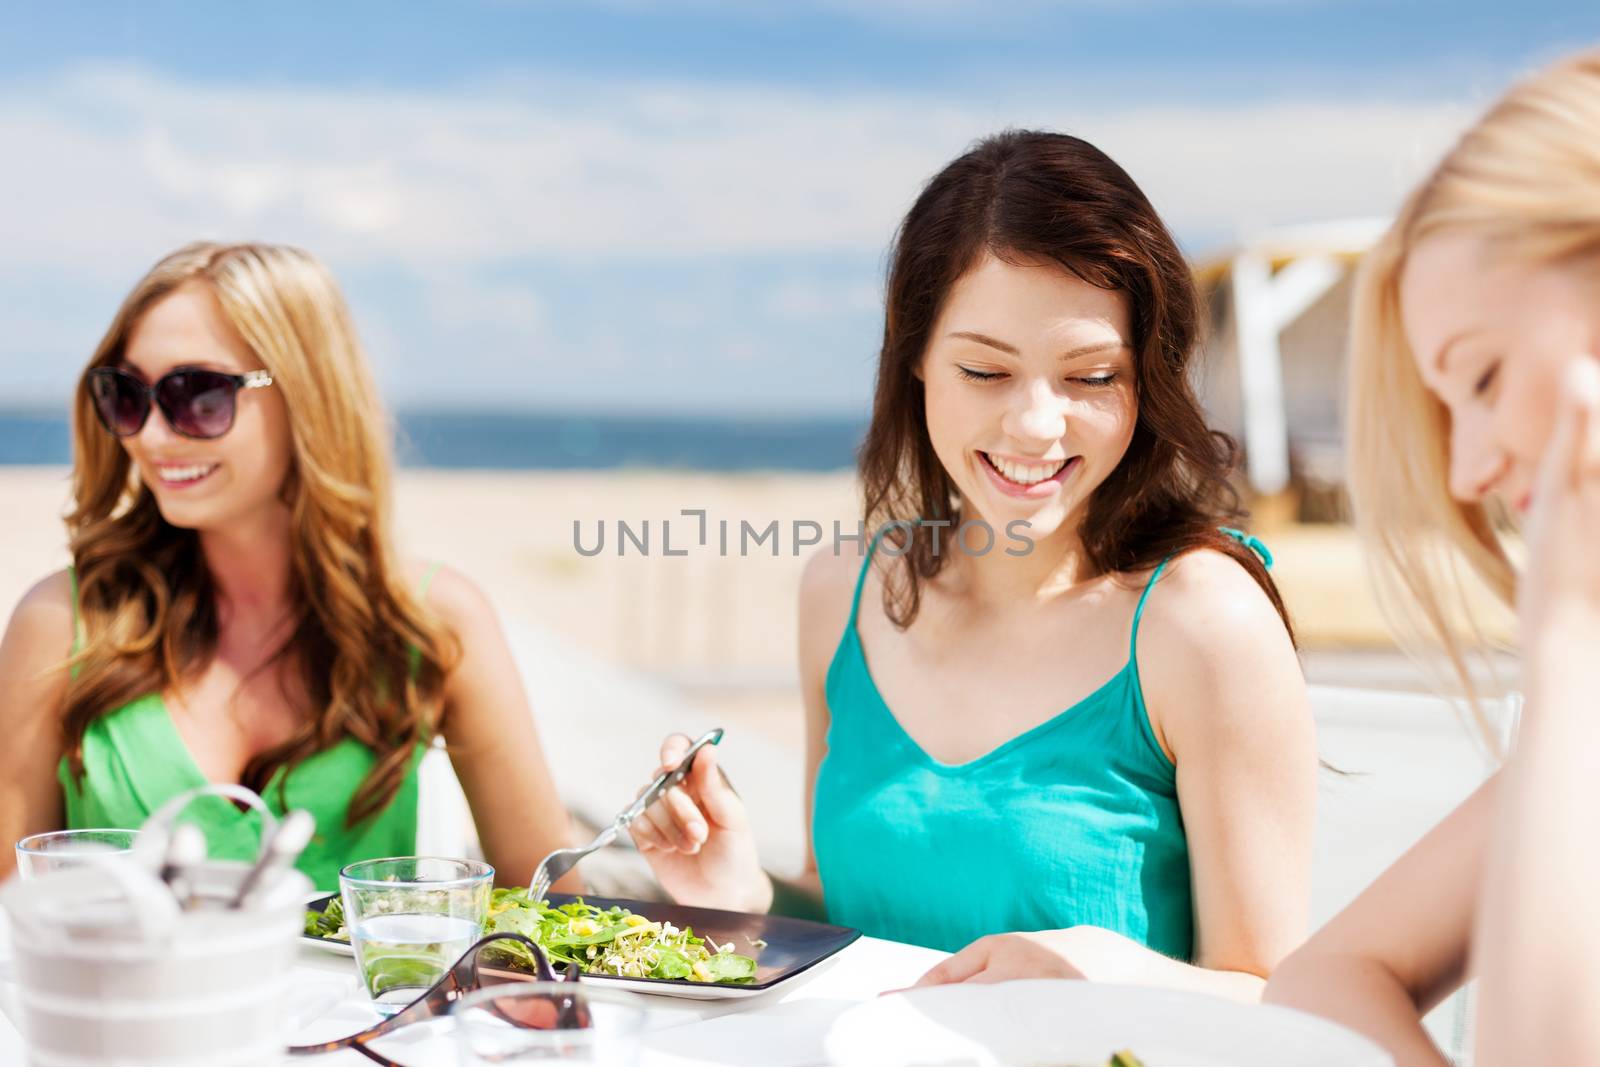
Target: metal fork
{"x":563,"y":860}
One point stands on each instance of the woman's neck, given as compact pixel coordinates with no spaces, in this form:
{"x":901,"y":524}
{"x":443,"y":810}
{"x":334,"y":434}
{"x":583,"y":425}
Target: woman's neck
{"x":249,"y":564}
{"x":1051,"y":566}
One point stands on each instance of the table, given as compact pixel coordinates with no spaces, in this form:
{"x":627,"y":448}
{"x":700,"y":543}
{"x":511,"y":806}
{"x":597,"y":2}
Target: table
{"x":782,"y":1028}
{"x":786,"y":1027}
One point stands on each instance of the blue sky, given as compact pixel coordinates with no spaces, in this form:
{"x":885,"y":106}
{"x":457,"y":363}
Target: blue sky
{"x":671,"y":206}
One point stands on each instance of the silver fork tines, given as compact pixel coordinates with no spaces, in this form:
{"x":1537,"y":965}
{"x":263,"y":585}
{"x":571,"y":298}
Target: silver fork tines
{"x":562,"y":860}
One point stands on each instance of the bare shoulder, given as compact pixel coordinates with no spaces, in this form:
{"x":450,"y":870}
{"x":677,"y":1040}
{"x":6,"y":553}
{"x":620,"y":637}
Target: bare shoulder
{"x":1215,"y":659}
{"x":43,"y":617}
{"x":1206,"y":602}
{"x":827,"y":585}
{"x":486,"y":665}
{"x":33,"y":686}
{"x":459,"y":601}
{"x":38,"y":640}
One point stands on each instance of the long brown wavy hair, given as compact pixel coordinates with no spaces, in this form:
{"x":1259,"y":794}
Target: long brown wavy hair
{"x":1030,"y":196}
{"x":372,"y":661}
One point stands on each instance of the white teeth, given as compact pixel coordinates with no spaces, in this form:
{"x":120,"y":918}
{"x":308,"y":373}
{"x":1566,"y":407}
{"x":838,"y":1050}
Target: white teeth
{"x":1025,"y":474}
{"x":186,"y":474}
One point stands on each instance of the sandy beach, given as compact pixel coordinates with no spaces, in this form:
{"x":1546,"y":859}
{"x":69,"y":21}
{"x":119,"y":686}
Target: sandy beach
{"x":662,"y":598}
{"x":717,"y":627}
{"x":654,"y":597}
{"x":712,"y":631}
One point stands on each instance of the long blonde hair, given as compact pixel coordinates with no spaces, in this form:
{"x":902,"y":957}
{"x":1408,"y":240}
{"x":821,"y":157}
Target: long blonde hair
{"x":371,"y":660}
{"x":1526,"y":176}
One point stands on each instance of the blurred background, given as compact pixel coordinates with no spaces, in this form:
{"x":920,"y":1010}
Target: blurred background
{"x":617,"y":260}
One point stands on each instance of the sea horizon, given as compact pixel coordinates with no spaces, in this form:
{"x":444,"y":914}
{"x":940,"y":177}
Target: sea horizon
{"x":455,"y":439}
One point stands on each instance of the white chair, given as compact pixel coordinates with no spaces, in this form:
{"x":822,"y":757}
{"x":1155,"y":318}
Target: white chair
{"x":444,"y":822}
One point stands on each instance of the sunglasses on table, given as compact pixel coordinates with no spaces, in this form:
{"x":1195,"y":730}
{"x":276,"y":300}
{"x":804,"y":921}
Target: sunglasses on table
{"x":469,"y":974}
{"x":197,"y":403}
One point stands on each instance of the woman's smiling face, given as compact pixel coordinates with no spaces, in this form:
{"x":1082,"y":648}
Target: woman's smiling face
{"x":1029,"y":389}
{"x":206,"y":484}
{"x":1490,"y":336}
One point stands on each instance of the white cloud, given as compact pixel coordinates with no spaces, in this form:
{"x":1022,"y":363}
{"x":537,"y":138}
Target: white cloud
{"x":120,"y":160}
{"x":1231,"y":171}
{"x":813,"y":298}
{"x":698,"y":244}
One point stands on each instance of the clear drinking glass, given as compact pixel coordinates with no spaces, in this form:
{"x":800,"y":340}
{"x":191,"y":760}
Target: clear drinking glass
{"x":541,"y":1022}
{"x":39,"y":854}
{"x":410,"y":918}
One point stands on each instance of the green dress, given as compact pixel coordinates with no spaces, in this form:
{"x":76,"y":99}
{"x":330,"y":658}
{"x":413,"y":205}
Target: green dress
{"x":134,"y":760}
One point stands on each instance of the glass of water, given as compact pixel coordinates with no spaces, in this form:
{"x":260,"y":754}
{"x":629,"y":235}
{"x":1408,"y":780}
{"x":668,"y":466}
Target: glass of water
{"x":410,"y":918}
{"x":39,"y":854}
{"x":570,"y":1023}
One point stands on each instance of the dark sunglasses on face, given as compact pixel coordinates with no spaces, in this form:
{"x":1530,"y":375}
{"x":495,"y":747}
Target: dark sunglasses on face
{"x":196,"y":403}
{"x":469,"y":974}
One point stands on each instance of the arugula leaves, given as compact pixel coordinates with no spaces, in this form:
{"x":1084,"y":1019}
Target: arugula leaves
{"x":730,"y":967}
{"x":328,"y":923}
{"x":611,"y":941}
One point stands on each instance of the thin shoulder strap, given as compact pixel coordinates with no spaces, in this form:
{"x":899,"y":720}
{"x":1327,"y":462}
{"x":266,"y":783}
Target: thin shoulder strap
{"x":427,"y":579}
{"x":1138,"y":612}
{"x":77,"y":620}
{"x":861,"y":583}
{"x":414,"y":654}
{"x":1251,"y":542}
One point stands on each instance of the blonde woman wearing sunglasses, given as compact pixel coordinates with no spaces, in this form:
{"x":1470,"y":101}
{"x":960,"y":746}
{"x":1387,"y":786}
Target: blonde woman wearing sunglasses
{"x":1475,"y":392}
{"x":236,"y":611}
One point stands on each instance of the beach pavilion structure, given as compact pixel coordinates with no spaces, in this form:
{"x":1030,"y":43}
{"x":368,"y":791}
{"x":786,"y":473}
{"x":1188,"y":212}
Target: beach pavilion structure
{"x":1277,"y":309}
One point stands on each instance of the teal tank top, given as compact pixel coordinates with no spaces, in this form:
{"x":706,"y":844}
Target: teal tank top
{"x":134,"y":760}
{"x":1074,"y":822}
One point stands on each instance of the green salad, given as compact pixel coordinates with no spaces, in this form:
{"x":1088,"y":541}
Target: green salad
{"x":611,"y":941}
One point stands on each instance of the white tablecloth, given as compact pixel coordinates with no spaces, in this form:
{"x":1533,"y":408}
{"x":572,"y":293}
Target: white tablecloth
{"x":781,"y":1028}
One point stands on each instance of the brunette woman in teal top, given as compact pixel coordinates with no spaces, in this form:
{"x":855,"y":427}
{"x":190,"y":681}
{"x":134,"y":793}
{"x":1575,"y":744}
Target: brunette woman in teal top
{"x":1057,"y":714}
